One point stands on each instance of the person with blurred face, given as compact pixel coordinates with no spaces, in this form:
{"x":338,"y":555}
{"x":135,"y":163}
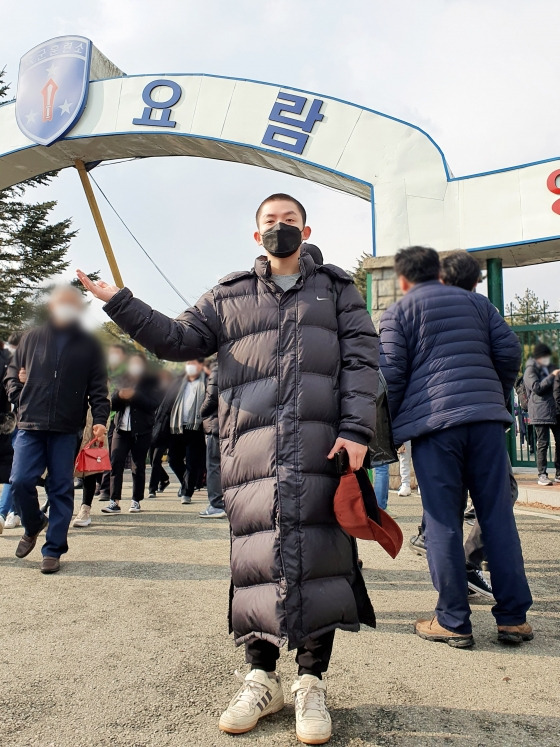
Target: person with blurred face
{"x":135,"y":405}
{"x":57,"y":369}
{"x":187,"y":448}
{"x":297,"y":383}
{"x":117,"y":358}
{"x":159,"y":479}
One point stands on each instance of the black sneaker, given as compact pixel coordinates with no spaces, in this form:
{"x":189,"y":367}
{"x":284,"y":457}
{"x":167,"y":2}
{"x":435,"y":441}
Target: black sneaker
{"x":477,"y":583}
{"x":557,"y":479}
{"x":417,"y":544}
{"x":112,"y":508}
{"x":163,"y":485}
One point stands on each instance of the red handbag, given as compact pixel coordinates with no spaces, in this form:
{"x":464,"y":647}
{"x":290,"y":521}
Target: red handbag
{"x":92,"y":459}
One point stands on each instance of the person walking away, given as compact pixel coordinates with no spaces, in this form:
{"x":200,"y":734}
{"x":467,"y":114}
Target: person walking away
{"x":297,"y":382}
{"x":64,"y":370}
{"x":187,"y":449}
{"x":450,"y":400}
{"x":135,"y":404}
{"x":209,"y":414}
{"x":117,"y":362}
{"x":539,"y":380}
{"x":159,"y":479}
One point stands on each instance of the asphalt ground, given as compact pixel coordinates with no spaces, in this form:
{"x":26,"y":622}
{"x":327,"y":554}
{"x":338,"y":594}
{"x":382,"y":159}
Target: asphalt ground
{"x":128,"y":645}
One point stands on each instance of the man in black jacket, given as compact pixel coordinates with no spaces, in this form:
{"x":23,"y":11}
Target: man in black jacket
{"x":297,"y":382}
{"x":56,"y":371}
{"x":135,"y":404}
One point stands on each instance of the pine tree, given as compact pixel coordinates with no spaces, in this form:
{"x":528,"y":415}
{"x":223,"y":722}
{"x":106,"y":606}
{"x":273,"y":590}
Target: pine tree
{"x":530,"y":309}
{"x":359,"y":275}
{"x":32,"y":249}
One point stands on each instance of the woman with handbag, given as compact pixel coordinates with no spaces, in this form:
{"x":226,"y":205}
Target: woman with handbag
{"x":89,"y":479}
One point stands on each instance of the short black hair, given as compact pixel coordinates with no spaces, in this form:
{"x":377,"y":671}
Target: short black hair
{"x":118,"y":345}
{"x":461,"y":269}
{"x":282,"y":196}
{"x":417,"y":264}
{"x":314,"y":252}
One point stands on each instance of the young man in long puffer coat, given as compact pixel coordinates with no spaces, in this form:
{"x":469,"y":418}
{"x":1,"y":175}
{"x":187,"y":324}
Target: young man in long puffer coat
{"x":298,"y":375}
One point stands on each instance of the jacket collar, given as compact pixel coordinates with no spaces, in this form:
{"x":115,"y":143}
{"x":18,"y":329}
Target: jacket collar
{"x":306,"y":266}
{"x":426,"y":284}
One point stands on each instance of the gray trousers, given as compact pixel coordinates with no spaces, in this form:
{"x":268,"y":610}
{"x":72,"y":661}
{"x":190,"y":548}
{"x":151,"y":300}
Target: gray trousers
{"x":214,"y":472}
{"x":474,"y":546}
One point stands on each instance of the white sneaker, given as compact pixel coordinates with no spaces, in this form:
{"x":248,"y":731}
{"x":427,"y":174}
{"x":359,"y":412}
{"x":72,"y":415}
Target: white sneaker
{"x":83,"y":519}
{"x":12,"y":521}
{"x":134,"y":507}
{"x":313,"y":721}
{"x":404,"y":490}
{"x":260,"y":694}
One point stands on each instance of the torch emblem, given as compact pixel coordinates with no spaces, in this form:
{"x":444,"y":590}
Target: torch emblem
{"x":52,"y":88}
{"x":49,"y":92}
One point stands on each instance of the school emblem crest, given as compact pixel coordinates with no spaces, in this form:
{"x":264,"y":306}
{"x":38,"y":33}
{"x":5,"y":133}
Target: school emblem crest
{"x":52,"y":88}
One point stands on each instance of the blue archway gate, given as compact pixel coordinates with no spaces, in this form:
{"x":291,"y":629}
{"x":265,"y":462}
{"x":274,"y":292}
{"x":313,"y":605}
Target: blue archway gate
{"x":73,"y":105}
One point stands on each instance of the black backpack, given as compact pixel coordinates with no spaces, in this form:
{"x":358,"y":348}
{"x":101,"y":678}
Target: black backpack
{"x":521,"y":391}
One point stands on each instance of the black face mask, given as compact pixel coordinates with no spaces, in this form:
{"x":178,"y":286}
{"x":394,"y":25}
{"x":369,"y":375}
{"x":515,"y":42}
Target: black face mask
{"x":282,"y":240}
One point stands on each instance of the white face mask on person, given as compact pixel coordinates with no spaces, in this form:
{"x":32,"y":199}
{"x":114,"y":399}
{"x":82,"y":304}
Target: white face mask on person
{"x":544,"y":361}
{"x":191,"y":369}
{"x":66,"y":313}
{"x":135,"y":369}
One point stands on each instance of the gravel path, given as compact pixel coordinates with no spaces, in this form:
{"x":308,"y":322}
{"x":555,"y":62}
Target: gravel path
{"x":128,"y":645}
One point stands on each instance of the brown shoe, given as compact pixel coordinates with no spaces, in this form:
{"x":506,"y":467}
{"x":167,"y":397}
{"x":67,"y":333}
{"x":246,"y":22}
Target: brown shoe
{"x":50,"y":565}
{"x":27,"y":542}
{"x":431,"y":630}
{"x":515,"y":634}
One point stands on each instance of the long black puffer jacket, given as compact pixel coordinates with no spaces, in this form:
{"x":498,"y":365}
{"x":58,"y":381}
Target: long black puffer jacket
{"x":295,"y":370}
{"x":211,"y":404}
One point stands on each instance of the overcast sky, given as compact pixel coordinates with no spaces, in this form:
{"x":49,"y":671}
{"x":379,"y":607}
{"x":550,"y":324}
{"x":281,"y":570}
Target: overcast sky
{"x":481,"y":78}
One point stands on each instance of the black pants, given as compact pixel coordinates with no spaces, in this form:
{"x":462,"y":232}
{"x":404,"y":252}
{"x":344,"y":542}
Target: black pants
{"x":137,"y":445}
{"x":159,"y":476}
{"x":88,"y":488}
{"x":187,"y":458}
{"x":105,"y":481}
{"x":542,"y":433}
{"x":312,"y":658}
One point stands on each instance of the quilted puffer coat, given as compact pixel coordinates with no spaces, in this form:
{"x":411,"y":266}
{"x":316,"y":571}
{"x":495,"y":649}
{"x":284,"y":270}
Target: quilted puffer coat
{"x":449,"y":359}
{"x":540,"y":390}
{"x":295,"y":370}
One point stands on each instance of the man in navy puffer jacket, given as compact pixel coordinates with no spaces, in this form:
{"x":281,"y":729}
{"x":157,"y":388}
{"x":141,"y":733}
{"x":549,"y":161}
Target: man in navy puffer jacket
{"x":450,"y":361}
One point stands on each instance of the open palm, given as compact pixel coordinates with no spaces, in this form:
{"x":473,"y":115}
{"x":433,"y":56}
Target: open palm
{"x":99,"y":288}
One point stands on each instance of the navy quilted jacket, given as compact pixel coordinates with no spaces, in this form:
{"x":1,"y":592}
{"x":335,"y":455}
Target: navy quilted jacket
{"x":449,"y":358}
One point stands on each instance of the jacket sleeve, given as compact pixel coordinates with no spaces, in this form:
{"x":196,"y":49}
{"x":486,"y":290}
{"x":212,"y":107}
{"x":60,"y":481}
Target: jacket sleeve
{"x":556,"y":390}
{"x":146,"y":400}
{"x":536,"y":385}
{"x":394,"y":358}
{"x":210,"y":404}
{"x":505,"y":350}
{"x":193,"y":334}
{"x":359,"y":361}
{"x":11,"y":381}
{"x":98,"y":395}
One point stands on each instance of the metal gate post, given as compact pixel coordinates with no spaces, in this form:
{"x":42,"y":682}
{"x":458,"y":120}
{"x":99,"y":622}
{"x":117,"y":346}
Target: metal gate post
{"x":496,"y":283}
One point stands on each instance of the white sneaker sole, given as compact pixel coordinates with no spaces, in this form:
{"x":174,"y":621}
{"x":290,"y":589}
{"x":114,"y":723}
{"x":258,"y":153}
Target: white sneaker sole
{"x":232,"y":728}
{"x":312,"y":740}
{"x":480,"y":591}
{"x":134,"y":510}
{"x":84,"y":523}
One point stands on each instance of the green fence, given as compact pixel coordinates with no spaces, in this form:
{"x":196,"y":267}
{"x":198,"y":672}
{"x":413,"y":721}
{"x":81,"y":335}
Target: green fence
{"x":545,"y":328}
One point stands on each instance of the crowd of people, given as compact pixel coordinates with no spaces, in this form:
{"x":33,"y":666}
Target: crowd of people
{"x":63,"y":392}
{"x":294,"y":386}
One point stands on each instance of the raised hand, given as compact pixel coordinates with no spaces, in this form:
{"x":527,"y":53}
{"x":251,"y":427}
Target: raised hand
{"x":100,"y":289}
